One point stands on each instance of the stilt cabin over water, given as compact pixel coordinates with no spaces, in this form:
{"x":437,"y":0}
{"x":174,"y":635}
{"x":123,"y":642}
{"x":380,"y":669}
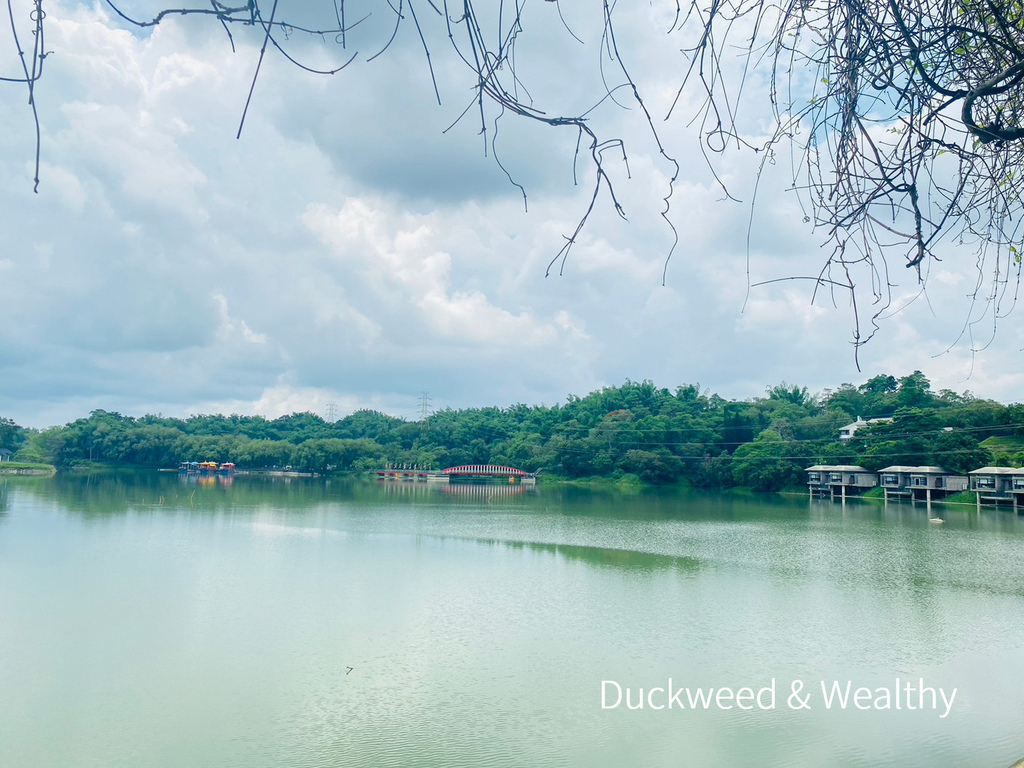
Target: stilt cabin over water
{"x":839,"y":480}
{"x":998,"y":484}
{"x":924,"y":483}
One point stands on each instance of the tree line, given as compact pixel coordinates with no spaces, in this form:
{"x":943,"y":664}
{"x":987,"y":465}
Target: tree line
{"x":658,"y":435}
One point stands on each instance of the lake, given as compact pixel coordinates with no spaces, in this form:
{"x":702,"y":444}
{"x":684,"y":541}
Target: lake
{"x":151,"y":621}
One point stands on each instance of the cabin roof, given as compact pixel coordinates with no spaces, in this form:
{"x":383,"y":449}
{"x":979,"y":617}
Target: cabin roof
{"x":836,"y":468}
{"x":923,"y":470}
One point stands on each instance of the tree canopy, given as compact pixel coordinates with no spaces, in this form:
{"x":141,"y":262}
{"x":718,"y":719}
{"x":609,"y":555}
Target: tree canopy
{"x":637,"y":429}
{"x":906,"y":120}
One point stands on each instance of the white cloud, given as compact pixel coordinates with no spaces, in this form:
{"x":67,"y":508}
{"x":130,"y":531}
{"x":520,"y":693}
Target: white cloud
{"x":231,"y":328}
{"x":284,"y":398}
{"x":398,"y":259}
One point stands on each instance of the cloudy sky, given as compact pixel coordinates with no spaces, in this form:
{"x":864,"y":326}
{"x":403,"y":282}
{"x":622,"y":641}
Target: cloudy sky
{"x":347,"y":250}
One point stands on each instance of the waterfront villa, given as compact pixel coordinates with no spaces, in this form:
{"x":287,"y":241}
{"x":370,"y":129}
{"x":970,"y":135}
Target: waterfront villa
{"x":990,"y":484}
{"x":843,"y":479}
{"x":996,"y":484}
{"x":923,"y":482}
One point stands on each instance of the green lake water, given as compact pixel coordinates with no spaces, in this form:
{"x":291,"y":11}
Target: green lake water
{"x":146,"y":621}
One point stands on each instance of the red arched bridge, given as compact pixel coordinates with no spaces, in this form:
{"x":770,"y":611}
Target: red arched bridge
{"x":480,"y":472}
{"x":484,"y":470}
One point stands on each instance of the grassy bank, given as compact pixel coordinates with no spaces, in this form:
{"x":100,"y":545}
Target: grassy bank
{"x":26,"y":468}
{"x":964,"y":497}
{"x":1011,"y":445}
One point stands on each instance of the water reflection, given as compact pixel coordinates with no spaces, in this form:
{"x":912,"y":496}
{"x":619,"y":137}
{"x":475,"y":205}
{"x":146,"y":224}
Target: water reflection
{"x":624,"y":559}
{"x":105,"y":493}
{"x":205,"y":481}
{"x":487,"y":492}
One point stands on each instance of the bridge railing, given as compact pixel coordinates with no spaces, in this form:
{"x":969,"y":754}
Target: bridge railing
{"x":485,"y":469}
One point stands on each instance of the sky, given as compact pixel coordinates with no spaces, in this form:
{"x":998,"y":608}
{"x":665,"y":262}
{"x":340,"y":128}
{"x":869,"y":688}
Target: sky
{"x":354,"y":247}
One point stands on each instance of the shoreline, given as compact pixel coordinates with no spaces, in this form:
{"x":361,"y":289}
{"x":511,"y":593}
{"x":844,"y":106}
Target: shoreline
{"x":12,"y":468}
{"x":627,"y":484}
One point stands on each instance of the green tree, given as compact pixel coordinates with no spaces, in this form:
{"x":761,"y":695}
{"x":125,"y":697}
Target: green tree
{"x":656,"y":467}
{"x":766,"y":464}
{"x":849,"y":400}
{"x":262,"y":454}
{"x":12,"y":437}
{"x":879,"y":396}
{"x":959,"y":451}
{"x":790,"y":393}
{"x":914,"y":391}
{"x":714,"y":472}
{"x":44,"y":446}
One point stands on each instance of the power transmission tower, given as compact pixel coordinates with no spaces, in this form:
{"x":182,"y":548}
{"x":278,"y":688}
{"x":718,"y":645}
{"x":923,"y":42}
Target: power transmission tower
{"x":332,"y":412}
{"x":425,"y":409}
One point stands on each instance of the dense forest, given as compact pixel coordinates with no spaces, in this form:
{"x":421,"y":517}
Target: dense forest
{"x":657,"y":435}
